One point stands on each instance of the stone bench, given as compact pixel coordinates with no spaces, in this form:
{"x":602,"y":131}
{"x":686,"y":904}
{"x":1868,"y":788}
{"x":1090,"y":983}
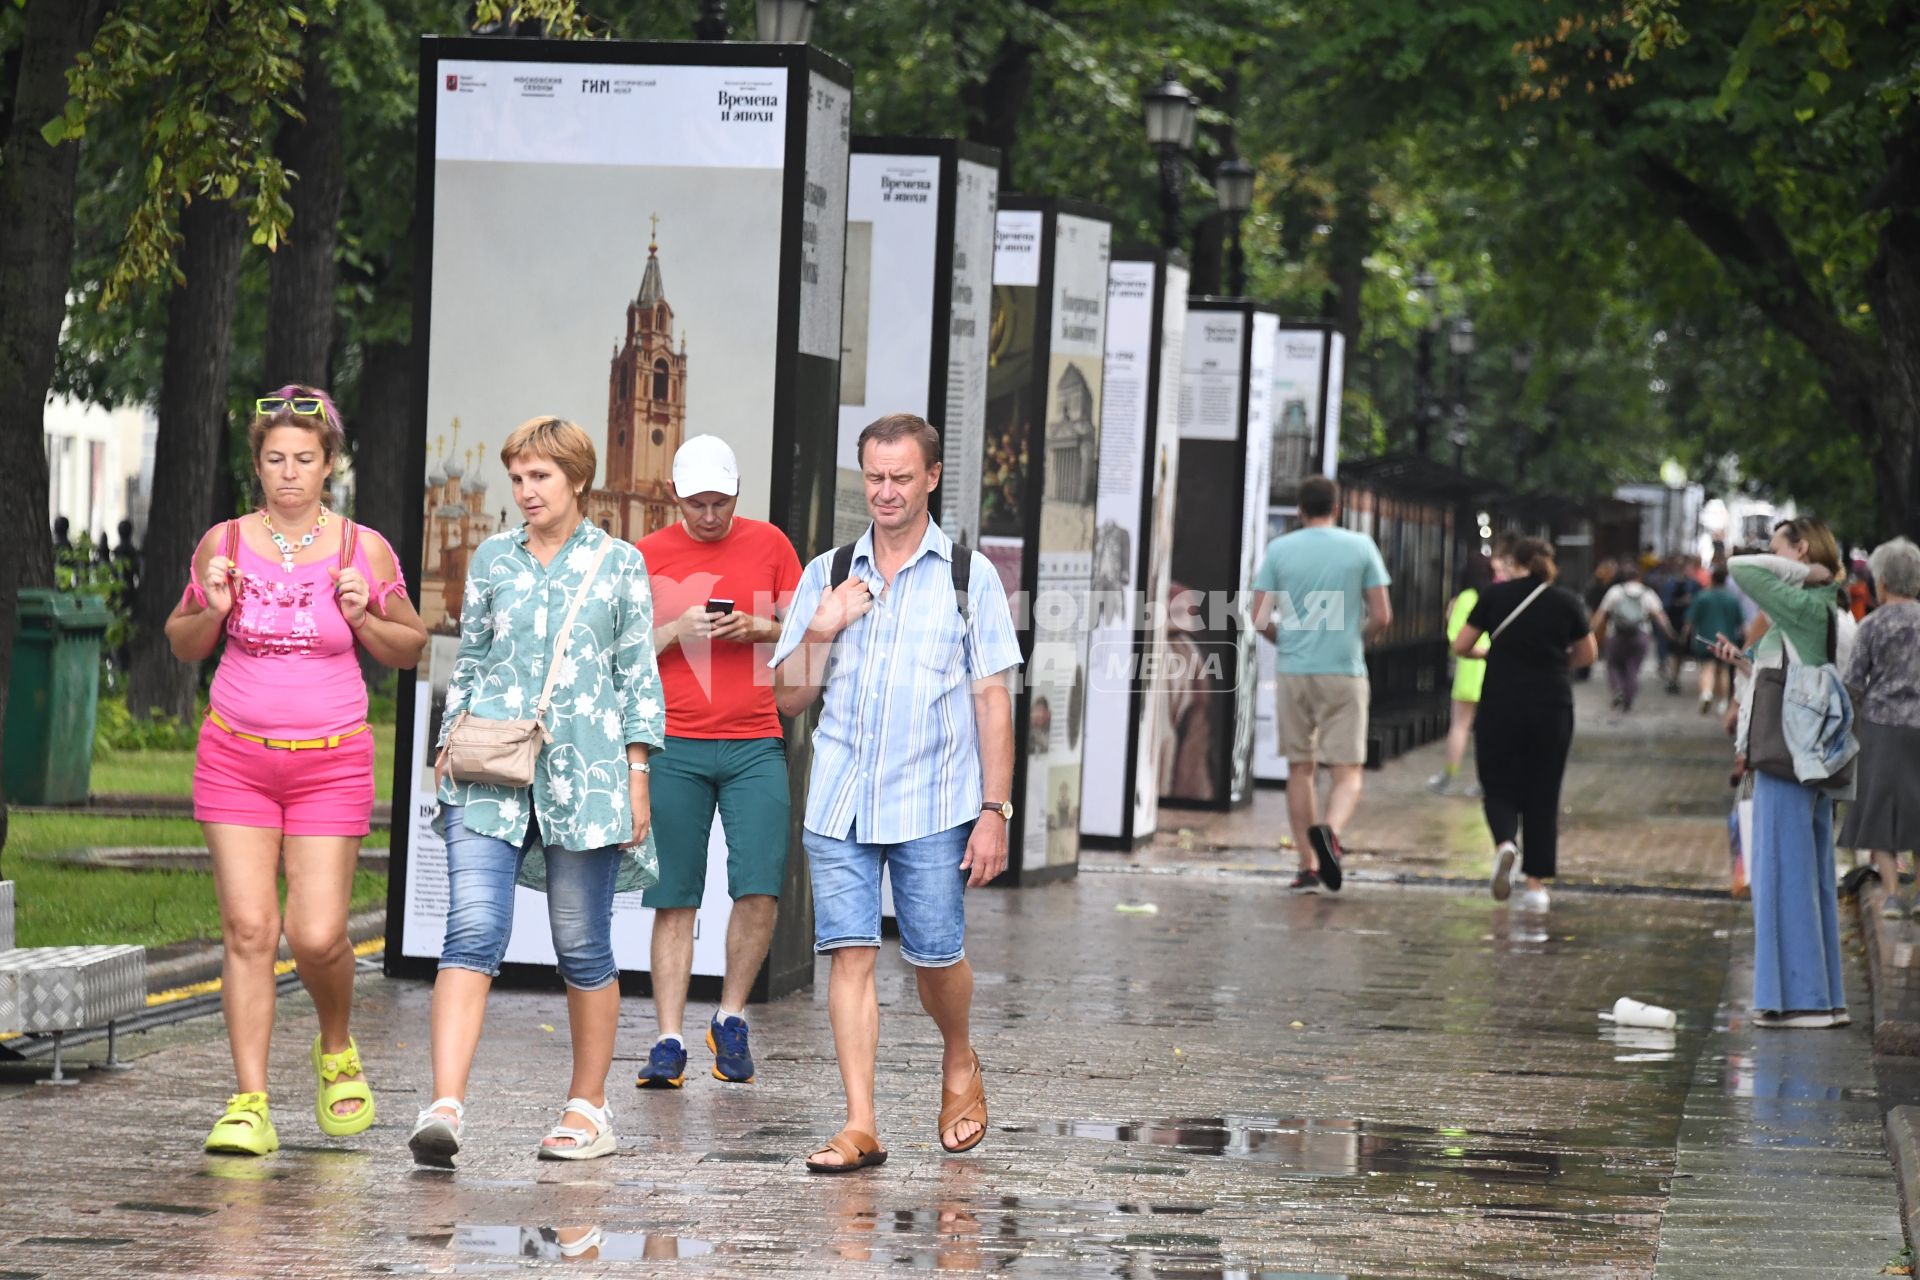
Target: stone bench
{"x":62,"y":989}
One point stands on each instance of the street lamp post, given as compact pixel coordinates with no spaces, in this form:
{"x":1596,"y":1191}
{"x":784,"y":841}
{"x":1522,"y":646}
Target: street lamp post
{"x":712,"y":22}
{"x":1424,"y":407}
{"x":1172,"y":114}
{"x":1233,"y":185}
{"x":1460,"y":344}
{"x":785,"y":21}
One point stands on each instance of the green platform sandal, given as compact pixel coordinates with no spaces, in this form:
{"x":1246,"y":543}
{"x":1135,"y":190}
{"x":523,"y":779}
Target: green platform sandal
{"x":246,"y":1129}
{"x":328,"y":1068}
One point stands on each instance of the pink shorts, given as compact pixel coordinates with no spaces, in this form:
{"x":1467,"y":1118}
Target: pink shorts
{"x":324,"y":792}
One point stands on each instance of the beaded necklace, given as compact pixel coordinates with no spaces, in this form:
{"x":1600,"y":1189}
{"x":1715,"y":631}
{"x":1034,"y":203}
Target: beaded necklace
{"x":288,"y":549}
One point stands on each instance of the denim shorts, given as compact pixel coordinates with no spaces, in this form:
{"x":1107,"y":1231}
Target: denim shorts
{"x":929,"y":894}
{"x":481,"y":871}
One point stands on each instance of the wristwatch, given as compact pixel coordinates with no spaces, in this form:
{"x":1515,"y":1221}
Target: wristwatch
{"x":1002,"y":807}
{"x":640,"y":766}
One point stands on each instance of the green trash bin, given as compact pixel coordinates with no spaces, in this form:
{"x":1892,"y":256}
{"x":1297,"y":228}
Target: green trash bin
{"x":53,"y":696}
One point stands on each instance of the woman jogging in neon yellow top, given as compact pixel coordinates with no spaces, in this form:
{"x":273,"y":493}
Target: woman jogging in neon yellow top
{"x":1468,"y":673}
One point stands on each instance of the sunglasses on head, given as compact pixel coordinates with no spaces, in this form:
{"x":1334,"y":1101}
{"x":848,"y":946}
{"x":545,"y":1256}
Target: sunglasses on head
{"x":304,"y":406}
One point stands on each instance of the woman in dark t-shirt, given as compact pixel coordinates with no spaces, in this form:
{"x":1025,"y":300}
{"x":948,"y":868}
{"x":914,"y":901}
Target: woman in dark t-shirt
{"x":1539,"y":633}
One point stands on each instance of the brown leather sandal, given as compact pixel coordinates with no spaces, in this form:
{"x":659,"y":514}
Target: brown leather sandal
{"x":856,"y":1148}
{"x":969,"y":1104}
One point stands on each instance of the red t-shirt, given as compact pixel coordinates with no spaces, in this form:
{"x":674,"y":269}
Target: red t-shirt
{"x":720,"y":688}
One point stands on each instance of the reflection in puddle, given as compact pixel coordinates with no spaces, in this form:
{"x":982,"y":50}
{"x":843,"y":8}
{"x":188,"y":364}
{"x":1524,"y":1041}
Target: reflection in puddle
{"x":1768,"y":1076}
{"x":1640,"y":1044}
{"x":568,"y":1244}
{"x":1334,"y":1147}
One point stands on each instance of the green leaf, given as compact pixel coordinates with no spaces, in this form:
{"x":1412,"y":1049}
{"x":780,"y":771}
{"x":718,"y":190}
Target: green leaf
{"x":1804,"y":114}
{"x":1820,"y":81}
{"x":54,"y":131}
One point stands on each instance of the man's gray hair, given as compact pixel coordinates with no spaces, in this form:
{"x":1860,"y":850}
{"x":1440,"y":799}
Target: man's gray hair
{"x":1895,"y":567}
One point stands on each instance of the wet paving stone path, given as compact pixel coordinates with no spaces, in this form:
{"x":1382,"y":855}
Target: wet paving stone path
{"x":1392,"y":1082}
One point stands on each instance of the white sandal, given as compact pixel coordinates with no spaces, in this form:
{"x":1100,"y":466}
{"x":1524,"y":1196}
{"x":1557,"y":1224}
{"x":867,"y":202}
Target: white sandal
{"x":436,"y":1139}
{"x":586,"y":1146}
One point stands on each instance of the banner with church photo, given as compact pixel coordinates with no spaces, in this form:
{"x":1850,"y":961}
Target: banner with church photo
{"x":612,"y":236}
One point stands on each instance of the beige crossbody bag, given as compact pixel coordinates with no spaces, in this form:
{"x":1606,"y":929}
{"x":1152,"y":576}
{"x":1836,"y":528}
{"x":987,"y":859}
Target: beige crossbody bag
{"x":502,"y":753}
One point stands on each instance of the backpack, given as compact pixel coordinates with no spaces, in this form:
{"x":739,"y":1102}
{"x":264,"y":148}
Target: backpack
{"x":1629,"y":613}
{"x":961,"y":565}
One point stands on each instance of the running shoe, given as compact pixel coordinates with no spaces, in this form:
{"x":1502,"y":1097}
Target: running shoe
{"x":1326,"y":847}
{"x":666,"y":1066}
{"x":728,"y":1040}
{"x":1502,"y":880}
{"x":1305,"y":882}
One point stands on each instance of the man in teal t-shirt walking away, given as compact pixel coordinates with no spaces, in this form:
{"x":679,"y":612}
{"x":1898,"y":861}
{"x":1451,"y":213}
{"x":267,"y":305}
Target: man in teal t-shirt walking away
{"x":1320,"y":595}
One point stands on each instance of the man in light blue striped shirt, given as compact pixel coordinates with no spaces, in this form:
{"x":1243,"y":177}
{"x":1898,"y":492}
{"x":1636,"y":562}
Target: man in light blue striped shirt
{"x":912,"y":770}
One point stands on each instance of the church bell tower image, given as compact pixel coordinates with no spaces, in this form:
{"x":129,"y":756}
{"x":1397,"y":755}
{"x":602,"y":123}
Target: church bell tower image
{"x":646,"y":413}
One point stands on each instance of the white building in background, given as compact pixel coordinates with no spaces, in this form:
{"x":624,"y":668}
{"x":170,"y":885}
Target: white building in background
{"x":100,"y":467}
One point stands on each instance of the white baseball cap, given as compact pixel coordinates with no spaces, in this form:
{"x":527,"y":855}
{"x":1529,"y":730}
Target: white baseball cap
{"x":705,"y":464}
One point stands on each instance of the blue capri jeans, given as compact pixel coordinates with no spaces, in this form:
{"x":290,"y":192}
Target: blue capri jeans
{"x":481,"y":872}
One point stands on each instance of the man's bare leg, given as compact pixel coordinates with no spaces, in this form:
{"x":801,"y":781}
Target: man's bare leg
{"x":947,"y":996}
{"x":1303,"y":803}
{"x":853,"y":1008}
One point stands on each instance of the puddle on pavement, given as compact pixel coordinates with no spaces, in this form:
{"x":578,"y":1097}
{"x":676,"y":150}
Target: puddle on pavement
{"x":1337,"y":1147}
{"x":585,"y":1243}
{"x":154,"y":1206}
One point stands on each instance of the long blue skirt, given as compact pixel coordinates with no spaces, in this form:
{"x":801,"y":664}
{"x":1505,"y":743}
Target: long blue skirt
{"x":1796,"y":909}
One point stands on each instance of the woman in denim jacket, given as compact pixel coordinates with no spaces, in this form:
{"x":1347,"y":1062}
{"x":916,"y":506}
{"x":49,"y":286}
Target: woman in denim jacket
{"x":581,"y":831}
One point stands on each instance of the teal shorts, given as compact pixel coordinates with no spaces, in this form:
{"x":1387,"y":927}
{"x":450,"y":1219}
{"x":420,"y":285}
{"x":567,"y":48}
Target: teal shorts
{"x":745,"y":780}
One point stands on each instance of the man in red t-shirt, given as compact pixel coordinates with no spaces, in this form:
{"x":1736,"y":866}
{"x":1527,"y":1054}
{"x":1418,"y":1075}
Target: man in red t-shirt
{"x":721,"y":585}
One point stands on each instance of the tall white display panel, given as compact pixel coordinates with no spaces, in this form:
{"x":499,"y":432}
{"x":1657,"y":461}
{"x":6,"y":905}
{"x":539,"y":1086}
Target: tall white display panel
{"x":1128,"y":679}
{"x":646,"y":239}
{"x":1039,"y":481}
{"x":1307,"y":376}
{"x":1219,"y":527}
{"x":919,"y":290}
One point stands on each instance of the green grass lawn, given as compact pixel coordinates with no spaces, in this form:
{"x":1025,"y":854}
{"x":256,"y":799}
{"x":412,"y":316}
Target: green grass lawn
{"x":170,"y":773}
{"x":58,"y":904}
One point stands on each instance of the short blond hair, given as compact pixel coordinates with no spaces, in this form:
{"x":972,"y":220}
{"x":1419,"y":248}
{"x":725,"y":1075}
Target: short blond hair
{"x":570,"y":448}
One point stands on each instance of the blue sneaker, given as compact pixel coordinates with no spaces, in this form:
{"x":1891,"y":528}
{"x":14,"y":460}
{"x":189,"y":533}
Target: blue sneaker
{"x":731,"y":1061}
{"x":666,"y":1066}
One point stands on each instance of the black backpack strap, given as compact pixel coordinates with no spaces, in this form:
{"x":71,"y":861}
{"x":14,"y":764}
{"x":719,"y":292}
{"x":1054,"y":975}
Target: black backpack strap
{"x":842,"y":567}
{"x":962,"y":565}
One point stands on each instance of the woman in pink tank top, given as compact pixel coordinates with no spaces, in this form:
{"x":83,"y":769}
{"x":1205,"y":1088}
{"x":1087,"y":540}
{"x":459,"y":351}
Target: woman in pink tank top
{"x":284,"y":768}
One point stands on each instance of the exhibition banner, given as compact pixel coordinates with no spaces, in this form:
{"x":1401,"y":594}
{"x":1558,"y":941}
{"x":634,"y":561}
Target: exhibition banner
{"x":1039,"y":485}
{"x":1218,"y":533}
{"x":1307,"y":369}
{"x":919,"y":255}
{"x":1127,"y":679}
{"x":645,"y":240}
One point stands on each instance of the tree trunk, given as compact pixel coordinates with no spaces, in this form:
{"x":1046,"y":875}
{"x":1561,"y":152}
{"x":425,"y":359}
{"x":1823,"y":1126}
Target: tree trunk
{"x":36,"y":250}
{"x":995,"y":101}
{"x":191,"y":445}
{"x":300,"y":287}
{"x":377,"y":430}
{"x":1348,"y":247}
{"x":1894,"y":286}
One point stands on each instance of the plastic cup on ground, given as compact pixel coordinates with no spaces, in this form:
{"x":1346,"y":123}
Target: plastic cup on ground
{"x":1628,"y":1012}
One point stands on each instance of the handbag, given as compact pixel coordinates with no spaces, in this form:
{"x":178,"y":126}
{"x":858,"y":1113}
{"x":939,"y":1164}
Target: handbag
{"x":502,"y":753}
{"x":1767,"y":750}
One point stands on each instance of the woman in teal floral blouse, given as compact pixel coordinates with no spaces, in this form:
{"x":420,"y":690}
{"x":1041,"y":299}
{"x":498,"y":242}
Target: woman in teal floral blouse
{"x":580,"y":832}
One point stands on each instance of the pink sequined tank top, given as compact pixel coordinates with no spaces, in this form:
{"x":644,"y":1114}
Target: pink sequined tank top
{"x":289,"y":667}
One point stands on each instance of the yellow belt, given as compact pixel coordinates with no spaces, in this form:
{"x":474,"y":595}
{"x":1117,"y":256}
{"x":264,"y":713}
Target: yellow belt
{"x":285,"y":744}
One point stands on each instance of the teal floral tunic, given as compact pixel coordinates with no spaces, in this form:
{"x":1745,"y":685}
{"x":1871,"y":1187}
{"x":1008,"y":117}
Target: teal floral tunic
{"x":606,"y":694}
